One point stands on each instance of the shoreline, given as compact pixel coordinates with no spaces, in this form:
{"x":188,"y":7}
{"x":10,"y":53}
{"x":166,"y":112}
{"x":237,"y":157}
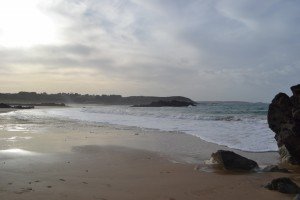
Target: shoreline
{"x":178,"y":146}
{"x":235,"y":131}
{"x":6,"y":110}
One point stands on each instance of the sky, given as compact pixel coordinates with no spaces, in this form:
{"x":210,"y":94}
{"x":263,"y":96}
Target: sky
{"x":203,"y":49}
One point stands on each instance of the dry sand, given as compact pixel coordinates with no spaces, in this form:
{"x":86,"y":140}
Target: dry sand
{"x":76,"y":161}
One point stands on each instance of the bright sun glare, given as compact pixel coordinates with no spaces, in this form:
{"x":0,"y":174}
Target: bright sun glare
{"x":22,"y":24}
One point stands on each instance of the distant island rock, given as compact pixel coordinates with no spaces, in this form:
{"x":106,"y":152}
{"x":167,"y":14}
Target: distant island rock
{"x":49,"y":104}
{"x":284,"y":121}
{"x":173,"y":103}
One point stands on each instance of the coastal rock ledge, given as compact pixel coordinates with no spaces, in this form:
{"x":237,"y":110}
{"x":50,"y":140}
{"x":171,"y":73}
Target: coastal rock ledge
{"x":284,"y":121}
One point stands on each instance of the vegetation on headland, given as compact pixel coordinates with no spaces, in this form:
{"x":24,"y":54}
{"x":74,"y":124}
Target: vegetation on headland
{"x":68,"y":98}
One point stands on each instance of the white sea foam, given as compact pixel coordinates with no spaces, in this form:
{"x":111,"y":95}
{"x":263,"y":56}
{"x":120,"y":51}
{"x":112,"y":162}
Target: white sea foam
{"x":241,"y":126}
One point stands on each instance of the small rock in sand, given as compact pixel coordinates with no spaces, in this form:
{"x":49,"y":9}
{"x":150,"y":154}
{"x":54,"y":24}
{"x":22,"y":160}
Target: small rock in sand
{"x":297,"y":197}
{"x":283,"y":185}
{"x":232,"y":161}
{"x":274,"y":168}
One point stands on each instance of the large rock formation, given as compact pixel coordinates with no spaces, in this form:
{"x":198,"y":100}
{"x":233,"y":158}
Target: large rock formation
{"x":284,"y":120}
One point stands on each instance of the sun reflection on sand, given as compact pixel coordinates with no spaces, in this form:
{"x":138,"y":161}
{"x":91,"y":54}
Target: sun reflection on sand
{"x":15,"y":138}
{"x":17,"y":127}
{"x":16,"y":151}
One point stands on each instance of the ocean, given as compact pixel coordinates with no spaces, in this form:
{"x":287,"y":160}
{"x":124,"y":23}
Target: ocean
{"x":238,"y":125}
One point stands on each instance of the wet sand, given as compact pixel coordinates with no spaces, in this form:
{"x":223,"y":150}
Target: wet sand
{"x":68,"y":160}
{"x":4,"y":110}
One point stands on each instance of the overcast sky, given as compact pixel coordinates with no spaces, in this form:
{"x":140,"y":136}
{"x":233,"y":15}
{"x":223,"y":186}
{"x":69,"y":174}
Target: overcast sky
{"x":202,"y":49}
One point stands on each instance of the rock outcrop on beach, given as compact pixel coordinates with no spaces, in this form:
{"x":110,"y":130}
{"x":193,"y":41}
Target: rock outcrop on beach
{"x":297,"y":197}
{"x":232,"y":161}
{"x":173,"y":103}
{"x":283,"y":185}
{"x":274,"y":168}
{"x":284,"y":121}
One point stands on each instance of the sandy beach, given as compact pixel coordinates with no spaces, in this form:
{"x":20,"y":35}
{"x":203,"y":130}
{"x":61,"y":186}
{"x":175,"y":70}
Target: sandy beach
{"x":73,"y":160}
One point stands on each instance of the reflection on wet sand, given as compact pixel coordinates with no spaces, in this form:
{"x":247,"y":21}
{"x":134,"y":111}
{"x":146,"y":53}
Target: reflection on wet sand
{"x":15,"y":138}
{"x":17,"y":152}
{"x":15,"y":127}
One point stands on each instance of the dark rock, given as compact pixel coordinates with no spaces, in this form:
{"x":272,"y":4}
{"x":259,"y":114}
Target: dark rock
{"x":283,"y":185}
{"x":296,"y":90}
{"x":3,"y":105}
{"x":284,"y":120}
{"x":297,"y":197}
{"x":232,"y":161}
{"x":173,"y":103}
{"x":274,"y":168}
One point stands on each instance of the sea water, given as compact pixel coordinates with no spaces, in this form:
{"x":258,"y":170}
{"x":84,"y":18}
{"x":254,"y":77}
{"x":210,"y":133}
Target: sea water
{"x":238,"y":125}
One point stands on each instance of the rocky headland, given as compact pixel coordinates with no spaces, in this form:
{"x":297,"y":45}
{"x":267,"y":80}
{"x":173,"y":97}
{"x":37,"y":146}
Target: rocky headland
{"x":75,"y":98}
{"x":284,"y":121}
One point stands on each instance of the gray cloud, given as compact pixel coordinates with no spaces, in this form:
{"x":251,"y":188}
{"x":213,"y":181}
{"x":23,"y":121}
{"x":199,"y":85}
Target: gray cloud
{"x":207,"y":50}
